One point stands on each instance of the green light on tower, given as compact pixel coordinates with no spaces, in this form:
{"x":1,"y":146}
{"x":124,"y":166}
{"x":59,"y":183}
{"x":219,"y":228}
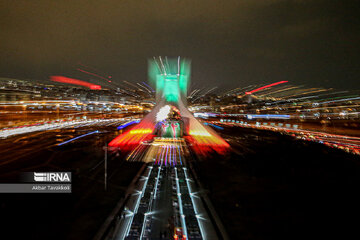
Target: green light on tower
{"x":171,"y":78}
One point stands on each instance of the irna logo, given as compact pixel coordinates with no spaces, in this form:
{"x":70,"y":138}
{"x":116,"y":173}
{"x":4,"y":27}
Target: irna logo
{"x":52,"y":177}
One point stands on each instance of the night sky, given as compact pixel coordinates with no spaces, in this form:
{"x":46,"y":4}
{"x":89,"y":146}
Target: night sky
{"x":231,"y":43}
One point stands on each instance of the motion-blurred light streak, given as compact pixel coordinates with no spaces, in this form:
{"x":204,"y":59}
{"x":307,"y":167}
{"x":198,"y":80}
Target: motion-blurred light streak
{"x":4,"y":133}
{"x":74,"y":81}
{"x":75,"y":138}
{"x":127,"y":124}
{"x":266,"y":86}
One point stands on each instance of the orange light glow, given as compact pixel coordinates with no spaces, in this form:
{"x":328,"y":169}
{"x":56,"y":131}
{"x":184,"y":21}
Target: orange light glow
{"x":204,"y":140}
{"x":141,"y":131}
{"x":134,"y":137}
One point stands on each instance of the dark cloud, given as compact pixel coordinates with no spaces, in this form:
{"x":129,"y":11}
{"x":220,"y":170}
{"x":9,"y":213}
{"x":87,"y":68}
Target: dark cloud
{"x":232,"y":43}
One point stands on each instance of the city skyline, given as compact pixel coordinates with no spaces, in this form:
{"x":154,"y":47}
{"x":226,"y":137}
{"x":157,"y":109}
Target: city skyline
{"x":179,"y":119}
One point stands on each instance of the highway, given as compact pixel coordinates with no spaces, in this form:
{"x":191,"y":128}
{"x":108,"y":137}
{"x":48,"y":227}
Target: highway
{"x":166,"y":203}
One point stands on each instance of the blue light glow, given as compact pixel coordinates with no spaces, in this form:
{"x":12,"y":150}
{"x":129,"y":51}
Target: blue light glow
{"x":268,"y":116}
{"x":215,"y":126}
{"x":73,"y":139}
{"x":127,"y":124}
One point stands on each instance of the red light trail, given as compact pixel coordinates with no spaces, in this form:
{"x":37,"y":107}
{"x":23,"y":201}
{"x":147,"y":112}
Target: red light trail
{"x":63,"y":79}
{"x":96,"y":75}
{"x":267,"y":86}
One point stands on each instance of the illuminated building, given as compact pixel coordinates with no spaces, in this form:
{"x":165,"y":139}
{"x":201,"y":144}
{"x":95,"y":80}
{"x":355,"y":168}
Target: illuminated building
{"x":171,"y":77}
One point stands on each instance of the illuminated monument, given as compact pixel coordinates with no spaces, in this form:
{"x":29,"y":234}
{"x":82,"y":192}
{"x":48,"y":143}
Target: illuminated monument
{"x":170,"y":118}
{"x":171,"y":78}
